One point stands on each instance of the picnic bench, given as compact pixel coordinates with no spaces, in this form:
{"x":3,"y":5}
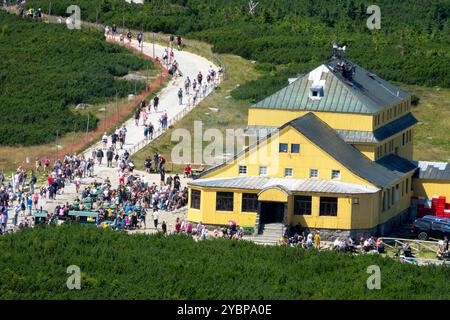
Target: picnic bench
{"x":85,"y":217}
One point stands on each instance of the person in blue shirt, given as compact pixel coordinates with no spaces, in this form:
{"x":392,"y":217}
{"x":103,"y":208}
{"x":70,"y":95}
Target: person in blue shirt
{"x":29,"y":203}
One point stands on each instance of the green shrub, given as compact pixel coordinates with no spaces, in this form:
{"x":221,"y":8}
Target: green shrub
{"x":46,"y":68}
{"x":117,"y":265}
{"x":411,"y":46}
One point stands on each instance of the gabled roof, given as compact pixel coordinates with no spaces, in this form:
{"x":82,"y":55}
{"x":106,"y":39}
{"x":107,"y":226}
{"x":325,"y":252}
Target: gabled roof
{"x":294,"y":185}
{"x":364,"y":93}
{"x":329,"y":141}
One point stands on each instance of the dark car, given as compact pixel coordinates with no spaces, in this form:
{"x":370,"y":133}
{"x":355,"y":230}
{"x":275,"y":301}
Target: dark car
{"x":431,"y":226}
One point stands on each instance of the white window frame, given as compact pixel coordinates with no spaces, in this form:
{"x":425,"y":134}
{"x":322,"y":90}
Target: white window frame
{"x":266,"y":171}
{"x":311,"y":175}
{"x":242,"y":167}
{"x":285,"y":172}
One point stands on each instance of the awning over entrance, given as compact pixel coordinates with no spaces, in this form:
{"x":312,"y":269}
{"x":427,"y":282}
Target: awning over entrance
{"x":275,"y":193}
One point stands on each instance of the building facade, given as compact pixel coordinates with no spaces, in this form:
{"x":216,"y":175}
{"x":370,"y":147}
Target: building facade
{"x":331,"y":151}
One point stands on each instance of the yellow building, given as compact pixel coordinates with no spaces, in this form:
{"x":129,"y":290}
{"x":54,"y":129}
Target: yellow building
{"x":331,"y":151}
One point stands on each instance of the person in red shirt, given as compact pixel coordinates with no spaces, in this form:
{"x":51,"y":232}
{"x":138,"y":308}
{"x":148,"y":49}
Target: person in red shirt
{"x":178,"y":226}
{"x":187,"y":171}
{"x":50,"y":180}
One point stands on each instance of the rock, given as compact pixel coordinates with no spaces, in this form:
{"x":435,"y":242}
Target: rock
{"x":83,"y":106}
{"x":214,"y":109}
{"x":134,"y":77}
{"x":228,"y":97}
{"x":130,"y":97}
{"x":430,"y":138}
{"x":102,"y":109}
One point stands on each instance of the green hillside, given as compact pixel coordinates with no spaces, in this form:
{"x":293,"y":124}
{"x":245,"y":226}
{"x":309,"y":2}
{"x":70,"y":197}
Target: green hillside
{"x":46,"y":68}
{"x":116,"y":265}
{"x":288,"y":37}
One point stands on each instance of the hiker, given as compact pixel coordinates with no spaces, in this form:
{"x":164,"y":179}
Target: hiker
{"x":187,"y":85}
{"x":114,"y":31}
{"x":140,"y":37}
{"x":99,"y":156}
{"x":123,"y":130}
{"x":156,"y":103}
{"x":105,"y":140}
{"x":146,"y":133}
{"x":179,"y":42}
{"x":151,"y":128}
{"x":137,"y":116}
{"x":172,"y":56}
{"x":114,"y":138}
{"x":109,"y":157}
{"x":155,"y":214}
{"x":129,"y":36}
{"x":148,"y":164}
{"x":180,"y":96}
{"x":200,"y":78}
{"x":106,"y":32}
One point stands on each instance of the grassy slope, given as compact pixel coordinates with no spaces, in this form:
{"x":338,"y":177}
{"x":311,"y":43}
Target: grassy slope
{"x":117,"y":265}
{"x":431,"y":135}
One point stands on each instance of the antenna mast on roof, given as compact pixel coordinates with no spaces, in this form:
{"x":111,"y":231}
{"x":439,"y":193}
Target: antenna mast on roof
{"x":344,"y":66}
{"x":339,"y":52}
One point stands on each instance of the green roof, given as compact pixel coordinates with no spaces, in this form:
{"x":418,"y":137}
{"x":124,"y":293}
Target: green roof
{"x":363,"y":93}
{"x":83,"y":214}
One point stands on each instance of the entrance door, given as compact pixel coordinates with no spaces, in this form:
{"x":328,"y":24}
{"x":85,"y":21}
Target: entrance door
{"x":271,"y":212}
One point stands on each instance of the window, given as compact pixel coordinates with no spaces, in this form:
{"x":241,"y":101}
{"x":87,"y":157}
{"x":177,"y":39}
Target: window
{"x":328,"y":206}
{"x":302,"y":205}
{"x":249,"y":202}
{"x":317,"y":91}
{"x":288,"y":172}
{"x":313,"y":173}
{"x":404,"y":136}
{"x":224,"y":201}
{"x":335,"y":174}
{"x":195,"y":199}
{"x":283,"y":147}
{"x":262,"y":171}
{"x":242,"y":169}
{"x":407,"y":186}
{"x":295,"y":148}
{"x":355,"y":200}
{"x":392,"y":196}
{"x":385,"y":200}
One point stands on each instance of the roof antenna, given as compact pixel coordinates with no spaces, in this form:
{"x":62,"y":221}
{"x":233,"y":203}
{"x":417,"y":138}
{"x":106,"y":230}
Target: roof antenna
{"x":339,"y":52}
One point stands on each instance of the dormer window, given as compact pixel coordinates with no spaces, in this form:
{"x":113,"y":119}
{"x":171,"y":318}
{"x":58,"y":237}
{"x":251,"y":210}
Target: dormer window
{"x":316,"y":92}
